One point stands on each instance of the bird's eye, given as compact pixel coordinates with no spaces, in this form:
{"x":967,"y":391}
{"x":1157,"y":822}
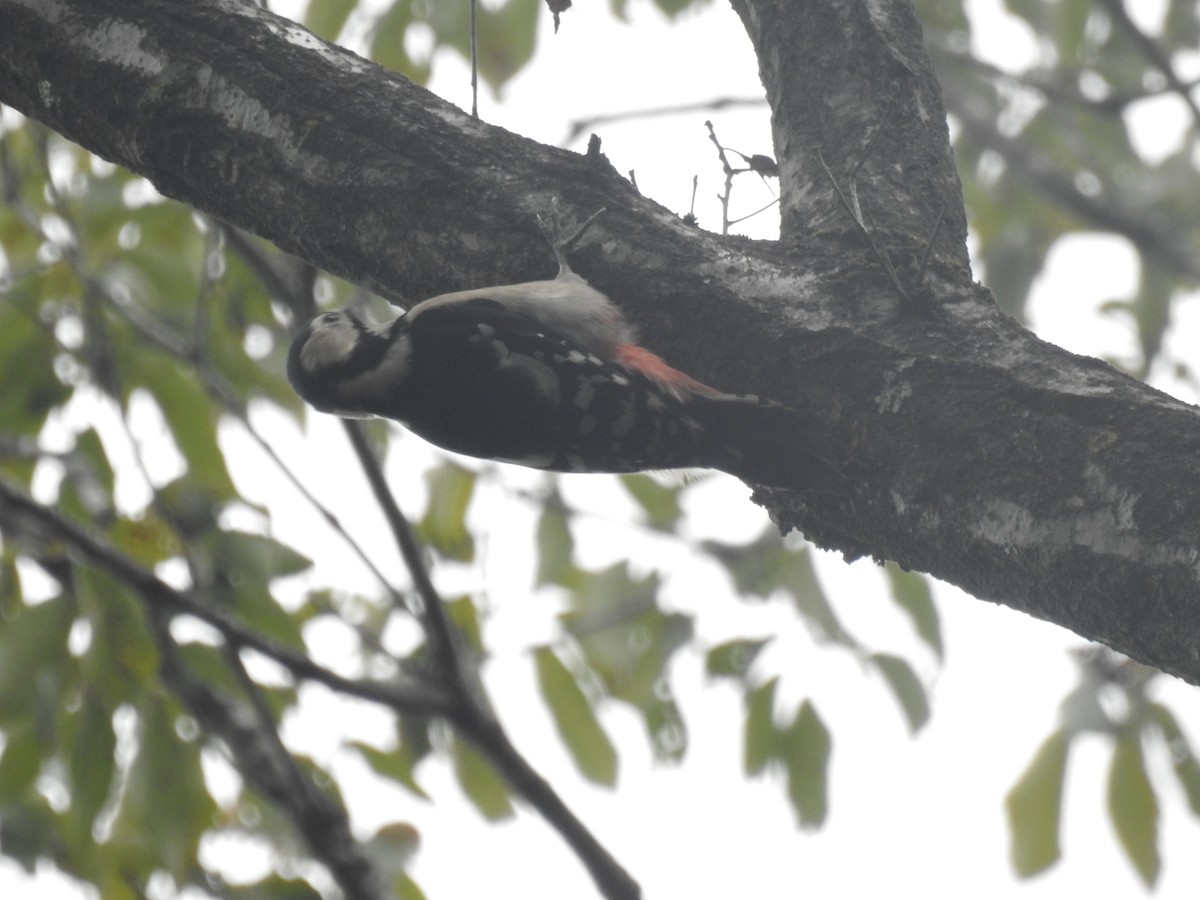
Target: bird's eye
{"x":328,"y":318}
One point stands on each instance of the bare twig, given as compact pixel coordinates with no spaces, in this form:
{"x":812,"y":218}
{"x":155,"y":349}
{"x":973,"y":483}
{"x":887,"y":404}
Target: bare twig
{"x":610,"y":877}
{"x":761,"y":209}
{"x":724,"y":197}
{"x":442,"y":637}
{"x":583,"y":126}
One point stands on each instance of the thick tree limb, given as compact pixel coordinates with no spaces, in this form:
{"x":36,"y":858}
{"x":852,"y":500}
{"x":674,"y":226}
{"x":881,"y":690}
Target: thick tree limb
{"x":1023,"y":473}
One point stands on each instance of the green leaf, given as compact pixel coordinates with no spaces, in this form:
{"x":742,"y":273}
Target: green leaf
{"x":326,"y":18}
{"x":90,"y":761}
{"x":480,"y":782}
{"x":240,"y":566}
{"x":805,"y":748}
{"x":148,"y":539}
{"x":187,"y":507}
{"x":766,"y":565}
{"x":398,"y":764}
{"x":406,"y":888}
{"x":1133,"y":807}
{"x":1151,"y":309}
{"x":627,"y":641}
{"x":912,"y":594}
{"x":258,"y":557}
{"x":165,"y":806}
{"x":465,"y":617}
{"x":659,"y":502}
{"x":1034,"y":807}
{"x":211,"y":665}
{"x":31,"y":389}
{"x":811,"y":601}
{"x":589,"y":745}
{"x":20,"y":763}
{"x":273,"y":887}
{"x":387,"y":42}
{"x":507,"y":36}
{"x":761,"y":739}
{"x":33,"y":644}
{"x":122,"y":652}
{"x":733,"y":659}
{"x":444,"y":526}
{"x":906,"y":687}
{"x":1183,"y":759}
{"x":756,"y":568}
{"x":672,"y":8}
{"x":29,"y":832}
{"x":192,"y":418}
{"x":90,"y":471}
{"x":556,"y":546}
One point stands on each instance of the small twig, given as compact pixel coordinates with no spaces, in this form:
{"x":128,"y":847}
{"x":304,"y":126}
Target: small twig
{"x":580,"y":126}
{"x":442,"y":636}
{"x":724,"y":198}
{"x":753,"y":214}
{"x":610,"y":876}
{"x":690,"y":217}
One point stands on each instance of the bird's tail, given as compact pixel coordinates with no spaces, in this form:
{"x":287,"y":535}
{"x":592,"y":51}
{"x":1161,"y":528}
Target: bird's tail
{"x":769,"y":444}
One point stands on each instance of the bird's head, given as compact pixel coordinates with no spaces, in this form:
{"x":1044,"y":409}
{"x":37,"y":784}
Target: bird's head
{"x":331,"y":353}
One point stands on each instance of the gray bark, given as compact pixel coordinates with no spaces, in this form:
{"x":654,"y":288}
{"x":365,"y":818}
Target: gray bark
{"x":977,"y":453}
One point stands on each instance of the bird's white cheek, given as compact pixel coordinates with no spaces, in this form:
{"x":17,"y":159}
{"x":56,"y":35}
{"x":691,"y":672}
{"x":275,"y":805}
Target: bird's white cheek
{"x":328,"y":346}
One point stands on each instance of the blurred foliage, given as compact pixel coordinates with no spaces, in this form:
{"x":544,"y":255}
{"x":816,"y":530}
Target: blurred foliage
{"x":1113,"y":700}
{"x":1046,"y":149}
{"x":1058,"y":146}
{"x":406,"y":35}
{"x":132,"y":331}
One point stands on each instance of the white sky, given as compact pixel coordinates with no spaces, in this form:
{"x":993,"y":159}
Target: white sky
{"x":919,"y":816}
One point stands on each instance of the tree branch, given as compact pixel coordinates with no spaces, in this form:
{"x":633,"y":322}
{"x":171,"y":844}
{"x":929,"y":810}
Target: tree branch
{"x":977,"y":453}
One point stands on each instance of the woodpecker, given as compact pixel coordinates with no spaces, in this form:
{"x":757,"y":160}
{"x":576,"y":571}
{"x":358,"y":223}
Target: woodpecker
{"x":547,"y":374}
